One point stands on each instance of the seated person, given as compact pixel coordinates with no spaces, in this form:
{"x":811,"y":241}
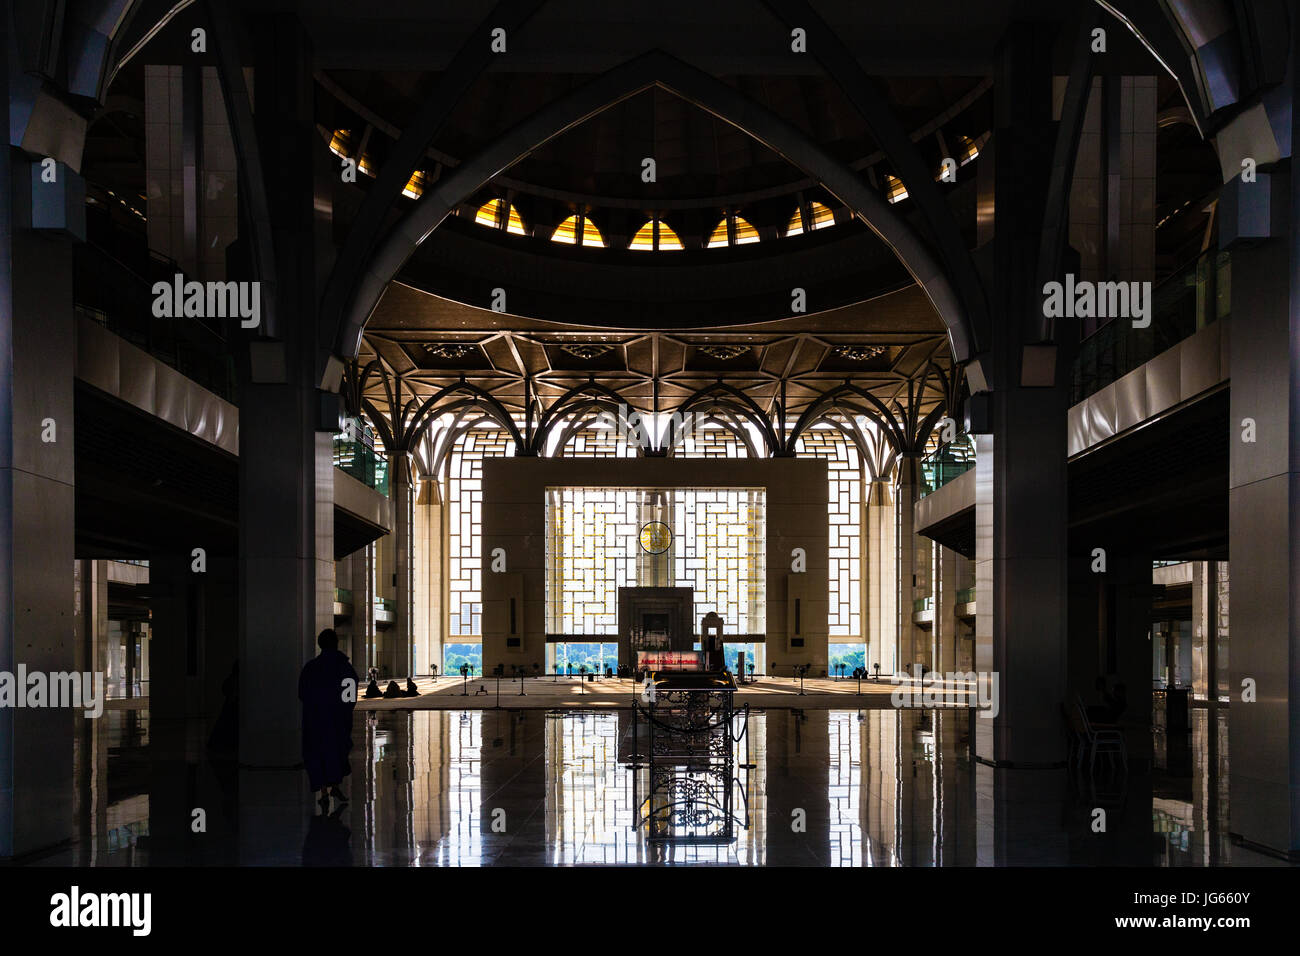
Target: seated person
{"x":392,"y":690}
{"x":411,"y":690}
{"x":372,"y":689}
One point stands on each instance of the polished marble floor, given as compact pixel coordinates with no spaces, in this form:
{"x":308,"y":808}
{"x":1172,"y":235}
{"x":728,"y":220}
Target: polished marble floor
{"x":527,"y":787}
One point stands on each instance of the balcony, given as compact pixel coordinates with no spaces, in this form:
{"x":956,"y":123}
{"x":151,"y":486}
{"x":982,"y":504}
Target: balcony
{"x":946,"y":463}
{"x":113,"y":276}
{"x":360,"y":460}
{"x":1187,"y":301}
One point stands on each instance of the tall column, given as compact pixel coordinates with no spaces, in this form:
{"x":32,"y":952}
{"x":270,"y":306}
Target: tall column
{"x":37,"y":530}
{"x":1021,"y":504}
{"x":1203,"y":631}
{"x":286,"y":467}
{"x":399,"y":638}
{"x":1263,"y":537}
{"x":1128,"y":580}
{"x":286,"y":471}
{"x":913,"y":642}
{"x":946,"y":584}
{"x":362,"y":565}
{"x":882,"y":597}
{"x":427,"y":557}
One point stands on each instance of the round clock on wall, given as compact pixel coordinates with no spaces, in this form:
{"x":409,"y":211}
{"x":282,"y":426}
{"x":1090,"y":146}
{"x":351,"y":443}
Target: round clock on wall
{"x":656,"y":537}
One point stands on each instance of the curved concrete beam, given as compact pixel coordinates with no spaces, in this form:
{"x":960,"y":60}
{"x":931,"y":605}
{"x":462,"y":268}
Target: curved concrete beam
{"x":409,"y":153}
{"x":825,"y":46}
{"x":609,"y":89}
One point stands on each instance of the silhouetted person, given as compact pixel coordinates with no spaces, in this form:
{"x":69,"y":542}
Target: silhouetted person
{"x":225,"y":733}
{"x":392,"y":690}
{"x":327,"y":717}
{"x":372,"y":689}
{"x":411,"y":690}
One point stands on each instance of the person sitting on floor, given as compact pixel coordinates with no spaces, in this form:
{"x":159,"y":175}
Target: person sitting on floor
{"x":392,"y":690}
{"x":372,"y":689}
{"x":411,"y":690}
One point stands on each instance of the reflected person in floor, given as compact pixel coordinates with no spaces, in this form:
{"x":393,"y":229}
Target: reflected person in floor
{"x":225,"y":733}
{"x":327,"y":688}
{"x":328,"y":841}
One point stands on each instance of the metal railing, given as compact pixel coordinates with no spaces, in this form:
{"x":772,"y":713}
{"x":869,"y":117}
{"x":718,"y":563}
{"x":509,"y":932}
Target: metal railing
{"x":946,"y":463}
{"x":114,"y":272}
{"x":362,"y":462}
{"x":1188,"y":300}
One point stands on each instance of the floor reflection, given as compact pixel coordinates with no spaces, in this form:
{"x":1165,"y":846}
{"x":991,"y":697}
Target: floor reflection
{"x":479,"y":788}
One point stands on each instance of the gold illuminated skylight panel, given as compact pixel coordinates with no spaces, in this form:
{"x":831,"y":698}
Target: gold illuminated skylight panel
{"x":489,"y":214}
{"x":667,"y":238}
{"x":819,"y":215}
{"x":567,"y":233}
{"x":514,"y":224}
{"x":341,"y":142}
{"x":895,"y":191}
{"x":968,"y":150}
{"x":745,"y":233}
{"x":414,"y":187}
{"x":341,"y":146}
{"x":591,"y":235}
{"x":645,"y":237}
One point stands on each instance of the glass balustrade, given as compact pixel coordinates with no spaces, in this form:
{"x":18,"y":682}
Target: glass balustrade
{"x":946,"y":463}
{"x":360,"y":460}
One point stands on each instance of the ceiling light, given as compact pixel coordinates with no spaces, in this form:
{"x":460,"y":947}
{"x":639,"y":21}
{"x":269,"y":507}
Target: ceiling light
{"x":724,"y":352}
{"x":586,"y":351}
{"x":859,"y":353}
{"x":450,"y":350}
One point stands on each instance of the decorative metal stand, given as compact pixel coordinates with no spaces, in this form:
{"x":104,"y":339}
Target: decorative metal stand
{"x":689,"y":751}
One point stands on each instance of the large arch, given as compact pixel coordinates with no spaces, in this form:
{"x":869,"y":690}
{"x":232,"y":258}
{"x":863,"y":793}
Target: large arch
{"x":706,"y":92}
{"x":471,"y":62}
